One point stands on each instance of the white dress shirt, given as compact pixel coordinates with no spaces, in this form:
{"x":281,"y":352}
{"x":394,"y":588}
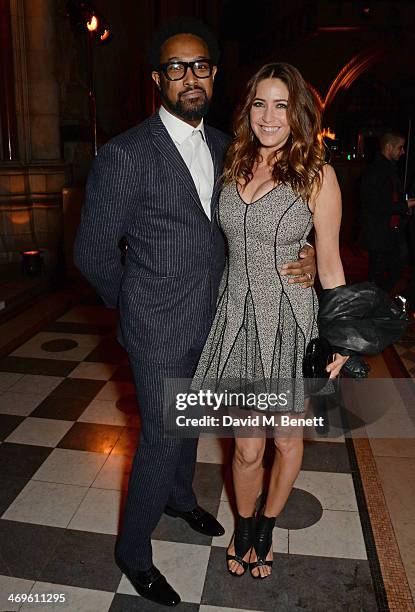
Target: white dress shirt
{"x":191,"y":144}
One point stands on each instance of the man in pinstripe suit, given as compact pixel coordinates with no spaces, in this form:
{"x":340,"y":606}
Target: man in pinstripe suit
{"x":157,"y":185}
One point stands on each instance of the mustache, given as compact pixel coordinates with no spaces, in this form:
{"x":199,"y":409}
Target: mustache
{"x":185,"y":91}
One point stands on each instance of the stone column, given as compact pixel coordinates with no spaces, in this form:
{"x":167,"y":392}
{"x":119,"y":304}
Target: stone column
{"x":42,"y":82}
{"x":31,"y":187}
{"x":8,"y":126}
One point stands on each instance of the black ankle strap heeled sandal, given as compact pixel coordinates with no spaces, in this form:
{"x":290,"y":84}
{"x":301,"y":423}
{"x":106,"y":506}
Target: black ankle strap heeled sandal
{"x":243,"y":538}
{"x":262,"y":543}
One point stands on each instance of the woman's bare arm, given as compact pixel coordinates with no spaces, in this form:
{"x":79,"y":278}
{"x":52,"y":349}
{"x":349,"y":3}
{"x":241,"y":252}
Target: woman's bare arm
{"x":327,"y":213}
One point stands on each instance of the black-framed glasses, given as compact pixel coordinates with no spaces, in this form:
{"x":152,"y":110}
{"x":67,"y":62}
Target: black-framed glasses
{"x":174,"y":71}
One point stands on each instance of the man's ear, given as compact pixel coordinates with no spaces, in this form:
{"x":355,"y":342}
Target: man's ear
{"x":156,"y":78}
{"x":214,"y":71}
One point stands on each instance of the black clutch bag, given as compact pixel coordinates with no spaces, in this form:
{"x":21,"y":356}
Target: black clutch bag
{"x":318,"y":355}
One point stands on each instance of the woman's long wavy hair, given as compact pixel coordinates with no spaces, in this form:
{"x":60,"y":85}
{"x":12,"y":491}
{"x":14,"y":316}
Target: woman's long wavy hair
{"x":299,"y":161}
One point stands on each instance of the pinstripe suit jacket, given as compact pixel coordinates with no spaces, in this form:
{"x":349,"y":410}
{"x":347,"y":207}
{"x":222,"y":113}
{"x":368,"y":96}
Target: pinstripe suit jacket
{"x":140,"y":187}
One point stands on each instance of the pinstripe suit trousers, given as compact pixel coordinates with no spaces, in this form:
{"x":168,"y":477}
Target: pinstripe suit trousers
{"x":162,"y":470}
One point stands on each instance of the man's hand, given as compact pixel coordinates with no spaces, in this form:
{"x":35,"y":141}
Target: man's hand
{"x":303,"y":270}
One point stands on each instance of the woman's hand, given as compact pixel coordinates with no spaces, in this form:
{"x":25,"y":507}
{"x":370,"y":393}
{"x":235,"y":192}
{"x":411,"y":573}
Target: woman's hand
{"x":335,"y":366}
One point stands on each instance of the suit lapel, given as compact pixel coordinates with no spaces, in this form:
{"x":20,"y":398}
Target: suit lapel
{"x":168,"y":149}
{"x":217,"y":158}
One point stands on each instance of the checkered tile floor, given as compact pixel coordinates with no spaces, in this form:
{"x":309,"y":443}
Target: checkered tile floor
{"x":68,"y":431}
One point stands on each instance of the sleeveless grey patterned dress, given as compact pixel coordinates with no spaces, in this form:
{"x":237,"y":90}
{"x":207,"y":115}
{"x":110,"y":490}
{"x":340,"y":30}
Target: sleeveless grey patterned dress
{"x":262,"y":324}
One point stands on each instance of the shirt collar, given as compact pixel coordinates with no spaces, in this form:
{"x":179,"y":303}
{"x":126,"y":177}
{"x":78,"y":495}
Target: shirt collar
{"x":178,"y":129}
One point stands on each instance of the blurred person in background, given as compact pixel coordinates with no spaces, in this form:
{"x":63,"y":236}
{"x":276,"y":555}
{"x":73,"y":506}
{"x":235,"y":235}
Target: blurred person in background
{"x":384,"y":211}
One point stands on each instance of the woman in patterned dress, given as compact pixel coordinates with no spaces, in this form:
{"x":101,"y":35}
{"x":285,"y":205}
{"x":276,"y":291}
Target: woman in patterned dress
{"x":276,"y":187}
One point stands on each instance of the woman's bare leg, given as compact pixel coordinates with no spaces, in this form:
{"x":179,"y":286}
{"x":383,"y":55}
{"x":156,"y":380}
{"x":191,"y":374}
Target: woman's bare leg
{"x":284,"y":472}
{"x":248,"y":475}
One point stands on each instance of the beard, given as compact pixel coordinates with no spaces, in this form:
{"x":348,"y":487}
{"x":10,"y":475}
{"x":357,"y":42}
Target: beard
{"x":190,"y":110}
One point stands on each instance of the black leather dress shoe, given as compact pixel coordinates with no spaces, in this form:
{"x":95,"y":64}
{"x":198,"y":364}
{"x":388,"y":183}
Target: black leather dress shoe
{"x":199,"y":520}
{"x":151,"y":584}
